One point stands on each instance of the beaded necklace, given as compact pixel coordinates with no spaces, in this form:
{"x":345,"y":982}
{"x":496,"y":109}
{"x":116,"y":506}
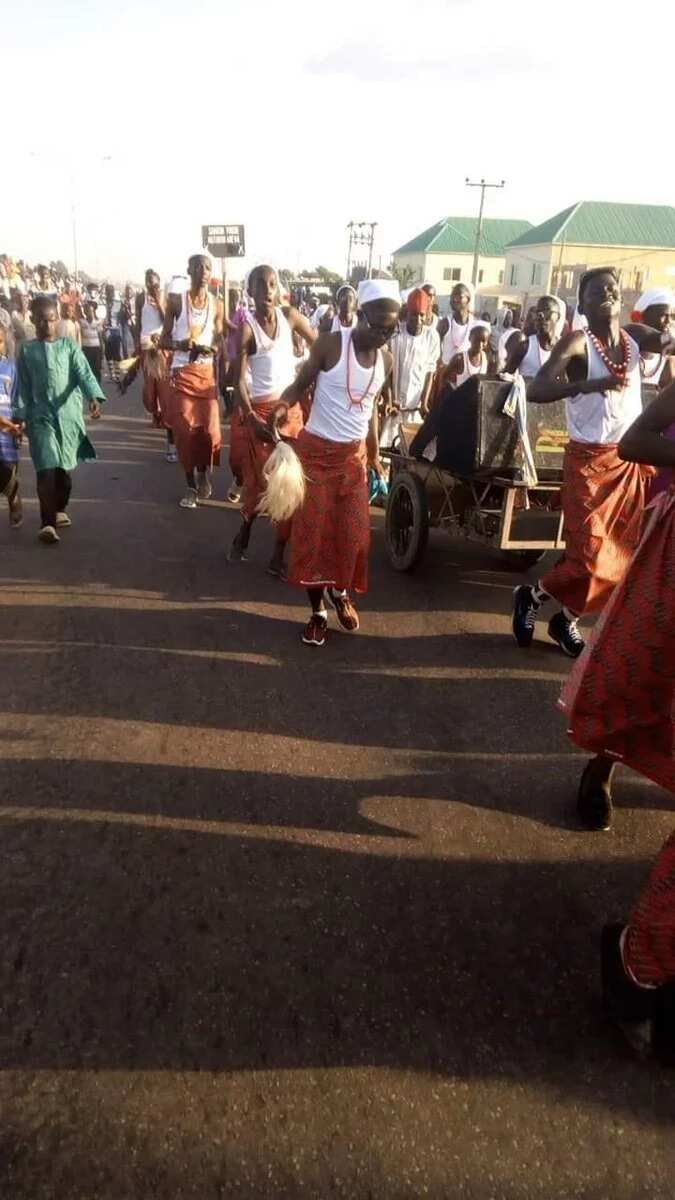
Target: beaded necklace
{"x":618,"y":370}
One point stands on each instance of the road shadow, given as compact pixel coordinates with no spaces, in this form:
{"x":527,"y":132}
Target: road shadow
{"x":134,"y":948}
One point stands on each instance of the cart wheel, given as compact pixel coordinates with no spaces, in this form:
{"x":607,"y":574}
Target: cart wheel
{"x":522,"y":560}
{"x":407,"y":522}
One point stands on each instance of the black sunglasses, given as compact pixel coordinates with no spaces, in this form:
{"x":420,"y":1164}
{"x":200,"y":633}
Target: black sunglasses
{"x":386,"y":334}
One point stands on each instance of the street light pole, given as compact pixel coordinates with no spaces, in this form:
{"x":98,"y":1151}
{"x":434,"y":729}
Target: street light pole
{"x":479,"y":227}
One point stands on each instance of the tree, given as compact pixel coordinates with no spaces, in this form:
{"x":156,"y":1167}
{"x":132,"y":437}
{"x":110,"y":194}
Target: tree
{"x":330,"y":278}
{"x":404,"y":274}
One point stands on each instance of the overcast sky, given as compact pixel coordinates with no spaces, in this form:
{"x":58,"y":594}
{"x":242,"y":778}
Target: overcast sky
{"x":295,"y":118}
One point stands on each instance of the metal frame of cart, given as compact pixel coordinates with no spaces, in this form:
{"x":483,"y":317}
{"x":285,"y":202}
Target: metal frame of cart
{"x":485,"y":509}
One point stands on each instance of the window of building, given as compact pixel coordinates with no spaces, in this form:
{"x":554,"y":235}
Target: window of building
{"x":513,"y":278}
{"x":480,"y":276}
{"x":452,"y":274}
{"x":568,"y":280}
{"x":501,"y":276}
{"x":537,"y":273}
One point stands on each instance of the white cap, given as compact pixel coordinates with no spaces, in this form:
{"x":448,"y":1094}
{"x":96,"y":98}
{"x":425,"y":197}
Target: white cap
{"x":379,"y":289}
{"x":655,"y":296}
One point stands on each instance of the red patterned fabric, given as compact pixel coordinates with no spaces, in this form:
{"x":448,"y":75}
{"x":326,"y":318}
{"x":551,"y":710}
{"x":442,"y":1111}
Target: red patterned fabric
{"x":155,"y":395}
{"x":193,"y":413}
{"x":603,"y":502}
{"x":237,"y":445}
{"x":649,"y":947}
{"x":620,"y":695}
{"x":330,"y":538}
{"x":254,"y":453}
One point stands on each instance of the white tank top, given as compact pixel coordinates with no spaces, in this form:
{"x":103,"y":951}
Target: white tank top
{"x":455,"y":340}
{"x":535,"y":357}
{"x":344,"y":396}
{"x":151,"y":323}
{"x":195,"y":323}
{"x":337,"y":326}
{"x":469,"y":369}
{"x":651,"y":367}
{"x":273,"y":365}
{"x":603,"y":417}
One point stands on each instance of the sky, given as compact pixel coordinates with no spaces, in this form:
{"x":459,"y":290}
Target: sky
{"x":294,"y":118}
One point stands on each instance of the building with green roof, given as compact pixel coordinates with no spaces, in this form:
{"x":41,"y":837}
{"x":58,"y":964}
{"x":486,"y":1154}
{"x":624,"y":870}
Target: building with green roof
{"x":443,"y":254}
{"x":637,"y":239}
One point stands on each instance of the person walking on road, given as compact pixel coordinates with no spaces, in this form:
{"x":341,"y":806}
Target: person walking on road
{"x":193,"y":324}
{"x":597,"y":371}
{"x":54,"y":378}
{"x":266,"y":351}
{"x":330,"y":535}
{"x":9,"y":437}
{"x":150,"y":311}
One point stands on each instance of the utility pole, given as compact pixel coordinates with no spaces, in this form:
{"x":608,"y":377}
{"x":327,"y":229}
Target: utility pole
{"x":479,"y":227}
{"x":361,"y":233}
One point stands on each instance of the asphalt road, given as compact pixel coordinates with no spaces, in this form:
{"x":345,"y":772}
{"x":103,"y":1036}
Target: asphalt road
{"x":288,"y":922}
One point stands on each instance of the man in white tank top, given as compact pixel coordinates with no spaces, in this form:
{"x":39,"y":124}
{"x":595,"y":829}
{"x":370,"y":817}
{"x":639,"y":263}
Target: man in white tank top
{"x":265,"y":367}
{"x":150,"y":308}
{"x":193,"y":324}
{"x":529,"y":354}
{"x":472,"y":360}
{"x":453,"y":330}
{"x":345,"y":315}
{"x":331,"y":530}
{"x":597,"y":371}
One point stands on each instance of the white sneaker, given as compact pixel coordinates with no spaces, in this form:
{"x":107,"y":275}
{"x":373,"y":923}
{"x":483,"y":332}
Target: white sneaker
{"x":172,"y":455}
{"x":63,"y":521}
{"x":48,"y":535}
{"x":204,"y":489}
{"x":189,"y":499}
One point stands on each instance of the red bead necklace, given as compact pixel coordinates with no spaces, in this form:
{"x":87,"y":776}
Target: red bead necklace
{"x":357,"y":401}
{"x":618,"y":370}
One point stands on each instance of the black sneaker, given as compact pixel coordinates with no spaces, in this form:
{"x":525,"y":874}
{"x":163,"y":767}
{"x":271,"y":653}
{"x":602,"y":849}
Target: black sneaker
{"x":525,"y":609}
{"x":594,"y":799}
{"x":566,"y":633}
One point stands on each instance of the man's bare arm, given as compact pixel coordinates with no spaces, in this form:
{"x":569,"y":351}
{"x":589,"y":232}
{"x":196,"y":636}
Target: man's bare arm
{"x":302,"y":326}
{"x":309,"y":370}
{"x":644,"y":442}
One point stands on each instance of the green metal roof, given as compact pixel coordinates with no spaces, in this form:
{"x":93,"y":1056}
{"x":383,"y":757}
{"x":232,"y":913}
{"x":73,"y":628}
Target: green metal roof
{"x":457,"y":235}
{"x":599,"y":223}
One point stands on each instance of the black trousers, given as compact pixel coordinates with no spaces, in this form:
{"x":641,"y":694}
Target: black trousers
{"x":94,"y":356}
{"x":9,"y":479}
{"x":53,"y":489}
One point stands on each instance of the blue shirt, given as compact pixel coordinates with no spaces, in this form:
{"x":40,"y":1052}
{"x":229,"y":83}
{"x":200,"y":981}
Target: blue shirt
{"x":8,"y":448}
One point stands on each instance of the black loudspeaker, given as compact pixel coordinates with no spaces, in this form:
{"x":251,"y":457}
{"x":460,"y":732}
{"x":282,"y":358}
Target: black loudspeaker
{"x":476,"y":438}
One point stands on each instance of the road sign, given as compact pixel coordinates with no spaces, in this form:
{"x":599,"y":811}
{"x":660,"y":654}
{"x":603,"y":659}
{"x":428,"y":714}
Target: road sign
{"x":224,"y":241}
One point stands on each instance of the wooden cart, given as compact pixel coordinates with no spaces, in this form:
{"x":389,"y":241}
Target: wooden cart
{"x":523,"y":522}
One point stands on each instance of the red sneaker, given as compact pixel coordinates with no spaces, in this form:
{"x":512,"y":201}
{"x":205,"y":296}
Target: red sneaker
{"x":344,"y":610}
{"x":314,"y":633}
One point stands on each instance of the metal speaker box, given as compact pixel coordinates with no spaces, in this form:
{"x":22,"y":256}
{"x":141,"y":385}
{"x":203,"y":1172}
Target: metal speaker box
{"x":477,"y":438}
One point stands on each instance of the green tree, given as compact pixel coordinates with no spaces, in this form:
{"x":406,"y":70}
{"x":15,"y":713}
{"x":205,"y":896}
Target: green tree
{"x":404,"y":274}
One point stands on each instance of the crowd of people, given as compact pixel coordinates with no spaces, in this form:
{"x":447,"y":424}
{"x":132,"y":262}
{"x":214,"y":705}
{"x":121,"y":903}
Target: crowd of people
{"x":312,"y":394}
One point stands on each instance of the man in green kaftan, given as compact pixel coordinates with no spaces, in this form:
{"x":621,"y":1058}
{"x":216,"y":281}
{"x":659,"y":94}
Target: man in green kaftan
{"x":53,"y":379}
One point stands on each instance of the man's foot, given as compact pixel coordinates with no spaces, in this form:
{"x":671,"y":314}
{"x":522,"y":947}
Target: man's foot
{"x":314,"y":633}
{"x":16,"y":512}
{"x":237,"y":551}
{"x":344,"y":610}
{"x":172,"y":455}
{"x":204,"y":489}
{"x":234,"y":494}
{"x":189,"y":499}
{"x":525,"y":609}
{"x":48,"y":535}
{"x":629,"y":1006}
{"x":594,"y":798}
{"x":63,"y":521}
{"x":566,"y":633}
